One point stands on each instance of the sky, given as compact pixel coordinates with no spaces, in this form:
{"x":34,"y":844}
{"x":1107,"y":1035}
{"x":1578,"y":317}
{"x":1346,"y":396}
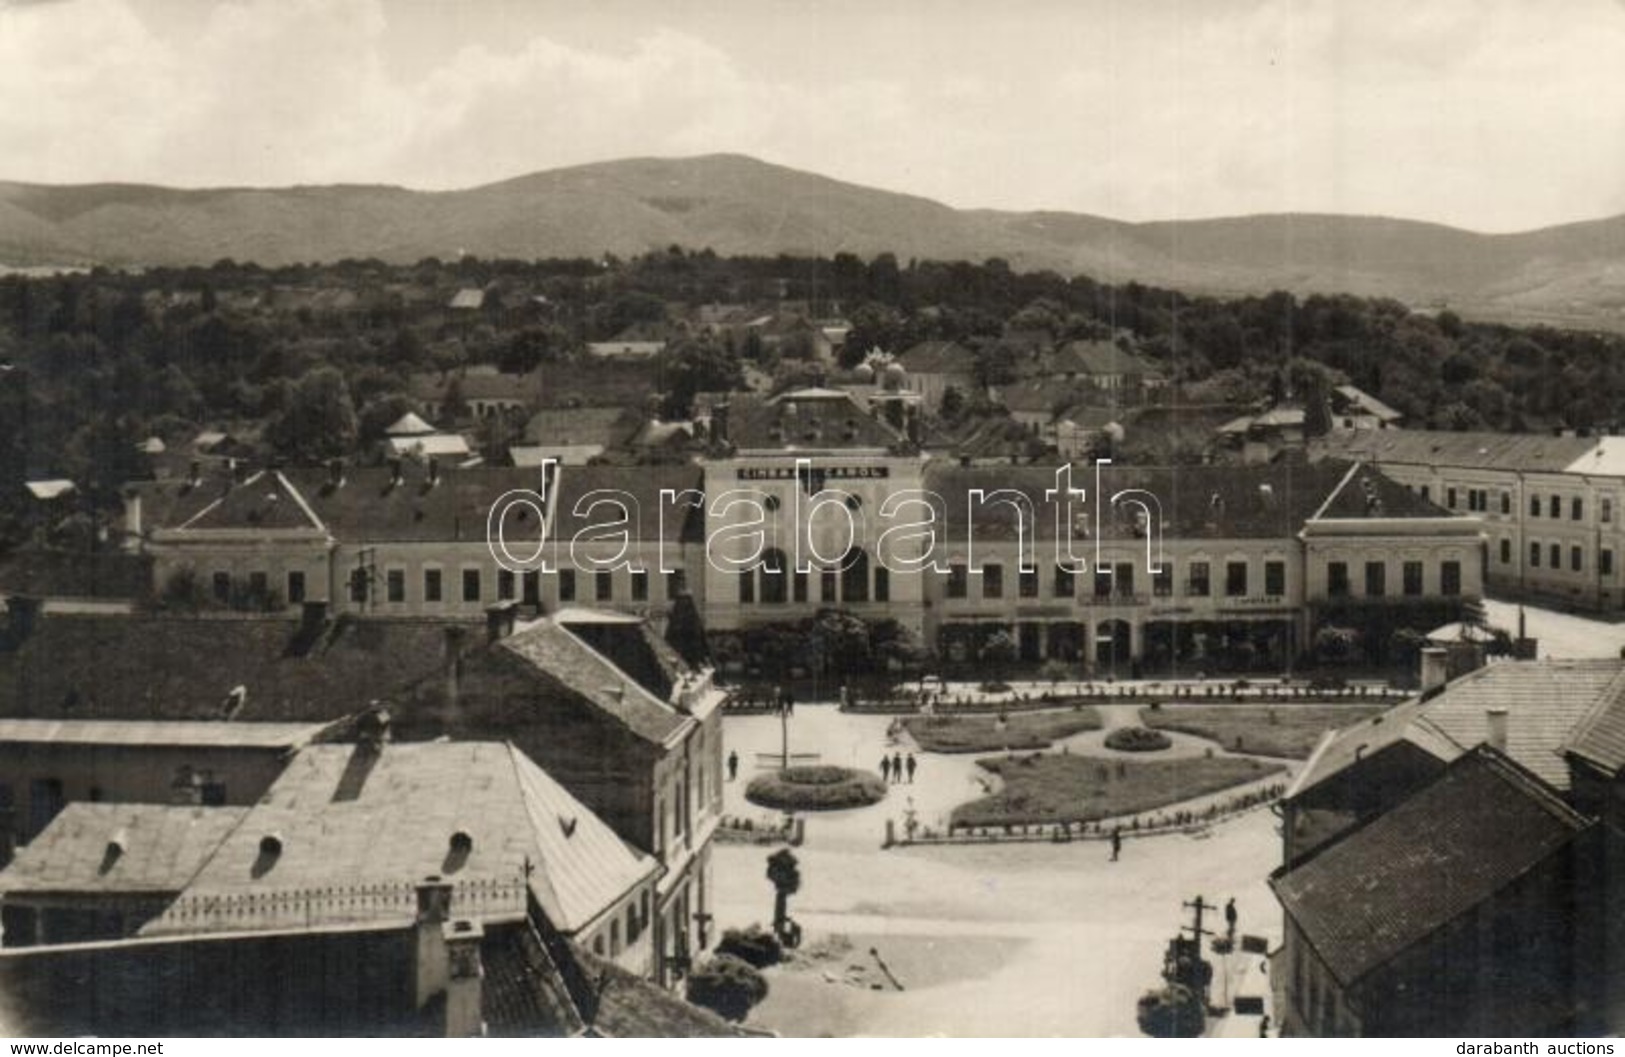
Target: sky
{"x":1494,"y":115}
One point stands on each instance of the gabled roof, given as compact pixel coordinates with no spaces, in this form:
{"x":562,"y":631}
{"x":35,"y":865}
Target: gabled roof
{"x":55,"y":488}
{"x":266,"y":500}
{"x":409,"y":425}
{"x":1389,"y":885}
{"x":1099,"y":357}
{"x":1548,"y":702}
{"x":126,"y":848}
{"x":548,"y":650}
{"x":437,"y":445}
{"x":348,"y":817}
{"x":938,"y":357}
{"x":470,"y":297}
{"x":805,"y":420}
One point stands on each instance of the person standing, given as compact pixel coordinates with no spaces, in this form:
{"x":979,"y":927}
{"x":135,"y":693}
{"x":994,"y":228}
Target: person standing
{"x":1230,"y":918}
{"x":910,"y":765}
{"x":1117,"y":842}
{"x":885,"y":768}
{"x":733,"y":765}
{"x":897,"y":767}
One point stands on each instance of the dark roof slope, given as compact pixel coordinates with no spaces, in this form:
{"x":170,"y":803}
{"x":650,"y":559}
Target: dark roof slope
{"x":1099,"y":358}
{"x":808,"y":419}
{"x":1534,"y":452}
{"x":938,"y":357}
{"x":631,"y":645}
{"x":1600,"y":736}
{"x":549,"y":651}
{"x":1477,"y":828}
{"x":645,"y":485}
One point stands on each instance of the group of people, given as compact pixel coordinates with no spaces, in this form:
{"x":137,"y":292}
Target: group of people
{"x":894,"y":767}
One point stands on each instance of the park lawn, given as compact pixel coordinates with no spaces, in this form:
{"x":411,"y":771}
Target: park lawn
{"x":1022,"y":730}
{"x":1061,"y":788}
{"x":1288,"y":731}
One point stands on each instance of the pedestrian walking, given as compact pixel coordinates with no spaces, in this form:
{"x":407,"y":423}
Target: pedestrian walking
{"x":885,"y":768}
{"x":897,"y":767}
{"x":1117,"y":842}
{"x":733,"y":765}
{"x":1230,"y":917}
{"x":789,"y":703}
{"x":910,"y":764}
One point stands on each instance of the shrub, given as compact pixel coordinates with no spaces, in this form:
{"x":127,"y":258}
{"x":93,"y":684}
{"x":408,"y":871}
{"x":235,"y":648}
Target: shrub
{"x":1137,"y":739}
{"x":1175,"y":1012}
{"x":994,"y":686}
{"x":755,"y":946}
{"x":821,"y":788}
{"x":726,"y":985}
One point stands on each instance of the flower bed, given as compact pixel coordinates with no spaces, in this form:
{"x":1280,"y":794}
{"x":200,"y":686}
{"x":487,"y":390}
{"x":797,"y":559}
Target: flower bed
{"x":819,"y":788}
{"x":1137,"y":739}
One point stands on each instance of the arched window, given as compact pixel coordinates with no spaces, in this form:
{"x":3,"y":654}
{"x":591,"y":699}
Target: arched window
{"x":775,"y":577}
{"x":855,"y":577}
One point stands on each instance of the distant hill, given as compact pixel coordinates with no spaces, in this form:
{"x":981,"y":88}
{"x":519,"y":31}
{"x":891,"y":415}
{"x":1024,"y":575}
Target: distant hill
{"x":1574,"y":273}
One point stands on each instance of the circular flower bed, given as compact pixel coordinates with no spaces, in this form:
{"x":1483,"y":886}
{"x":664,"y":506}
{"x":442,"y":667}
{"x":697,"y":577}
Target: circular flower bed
{"x":820,"y":788}
{"x":1137,"y":739}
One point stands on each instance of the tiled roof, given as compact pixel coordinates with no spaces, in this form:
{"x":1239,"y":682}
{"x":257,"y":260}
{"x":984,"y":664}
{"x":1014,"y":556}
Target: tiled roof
{"x":547,"y":649}
{"x":265,"y":501}
{"x":368,"y":506}
{"x":1530,"y":452}
{"x":155,"y":732}
{"x":631,"y":645}
{"x":609,"y":426}
{"x":645,"y":484}
{"x":1198,"y":502}
{"x":938,"y":357}
{"x":993,"y":437}
{"x":152,"y":668}
{"x":155,"y":848}
{"x":1099,"y":358}
{"x":347,"y":817}
{"x":1599,"y":737}
{"x":409,"y":425}
{"x":1368,"y":493}
{"x":1039,"y":396}
{"x":813,"y":420}
{"x":631,"y":1007}
{"x":1481,"y":825}
{"x":1547,"y":703}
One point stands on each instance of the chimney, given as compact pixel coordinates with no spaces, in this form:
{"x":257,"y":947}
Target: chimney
{"x":372,"y":730}
{"x":465,"y":976}
{"x":1496,"y":724}
{"x":22,"y":617}
{"x":499,"y":621}
{"x":434,"y":909}
{"x":1434,"y":671}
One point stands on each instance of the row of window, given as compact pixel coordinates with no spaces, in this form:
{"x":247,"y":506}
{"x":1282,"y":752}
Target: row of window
{"x":1339,"y":585}
{"x":1553,"y":553}
{"x":1118,"y":580}
{"x":470,"y":586}
{"x":1478,"y":501}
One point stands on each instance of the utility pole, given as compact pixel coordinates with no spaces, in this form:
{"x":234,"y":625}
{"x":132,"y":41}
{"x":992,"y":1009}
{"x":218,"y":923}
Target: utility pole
{"x":1197,"y":908}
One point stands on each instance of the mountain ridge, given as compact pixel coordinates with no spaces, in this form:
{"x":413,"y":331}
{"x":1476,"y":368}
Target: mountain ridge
{"x":736,"y":204}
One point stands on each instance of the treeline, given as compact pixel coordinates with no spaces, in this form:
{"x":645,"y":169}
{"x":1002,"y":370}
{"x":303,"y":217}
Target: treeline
{"x":92,"y":364}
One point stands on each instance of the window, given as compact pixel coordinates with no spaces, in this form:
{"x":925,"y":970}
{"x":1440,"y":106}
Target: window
{"x":567,"y":585}
{"x":631,"y":923}
{"x":1450,"y":498}
{"x":855,"y":577}
{"x":1450,"y":578}
{"x":640,"y":585}
{"x":395,"y":585}
{"x":1198,"y":582}
{"x":1411,"y":573}
{"x":1557,"y":556}
{"x":1123,"y":578}
{"x":471,"y":585}
{"x":1534,"y":555}
{"x":1066,"y":583}
{"x":1506,"y":552}
{"x":774,"y":576}
{"x":1275,"y":578}
{"x":1162,"y":581}
{"x":827,"y":585}
{"x":1424,"y":491}
{"x":747,"y":586}
{"x":1103,"y":581}
{"x":1605,"y":561}
{"x":1506,"y":502}
{"x":1607,"y":513}
{"x":798,"y":587}
{"x":431,"y":585}
{"x":1376,"y":579}
{"x":259,"y":586}
{"x":603,"y":585}
{"x":615,"y":938}
{"x":505,"y":585}
{"x":1534,"y":506}
{"x":1556,"y":506}
{"x":222,"y":587}
{"x":359,"y":584}
{"x":957,"y":581}
{"x":676,"y":583}
{"x":1576,"y":559}
{"x":993,"y":581}
{"x":1027,"y":583}
{"x":296,"y":586}
{"x":882,"y":584}
{"x":1576,"y":509}
{"x":1337,"y":579}
{"x":1235,"y":579}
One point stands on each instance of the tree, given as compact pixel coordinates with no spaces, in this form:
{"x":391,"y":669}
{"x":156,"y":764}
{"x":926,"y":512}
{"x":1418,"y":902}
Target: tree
{"x":726,"y":985}
{"x":693,"y":365}
{"x":318,"y":421}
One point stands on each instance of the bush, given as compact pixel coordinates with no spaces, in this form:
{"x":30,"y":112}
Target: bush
{"x":821,"y":788}
{"x":1137,"y":739}
{"x":1175,"y":1012}
{"x":754,"y":946}
{"x":726,"y":985}
{"x":994,"y":686}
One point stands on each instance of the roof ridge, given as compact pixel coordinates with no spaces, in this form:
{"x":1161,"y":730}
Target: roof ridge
{"x":1354,"y":467}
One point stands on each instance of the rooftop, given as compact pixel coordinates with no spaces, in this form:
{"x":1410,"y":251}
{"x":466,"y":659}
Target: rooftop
{"x":938,"y":357}
{"x":805,"y":420}
{"x":159,"y":732}
{"x":1388,"y":885}
{"x":1530,"y":452}
{"x":345,"y":817}
{"x":1099,"y":357}
{"x":557,"y":654}
{"x":105,"y":848}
